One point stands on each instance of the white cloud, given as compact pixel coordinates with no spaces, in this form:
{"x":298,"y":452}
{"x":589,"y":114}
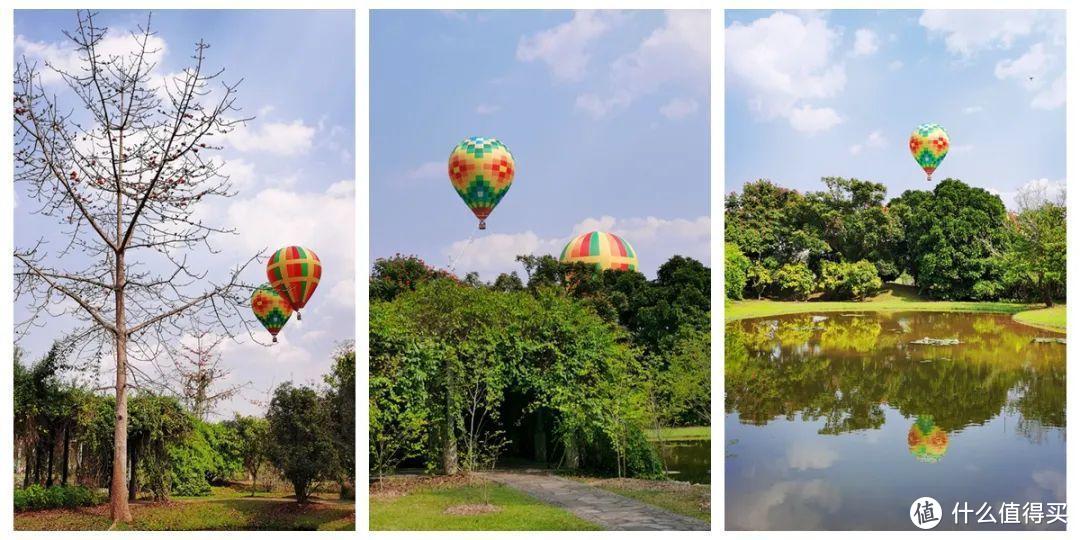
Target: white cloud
{"x":287,"y":139}
{"x":806,"y":456}
{"x":486,"y":108}
{"x":679,"y":108}
{"x":241,"y":173}
{"x":967,"y":32}
{"x":866,"y":42}
{"x":783,"y":61}
{"x":895,"y":65}
{"x":874,"y":140}
{"x":811,"y":120}
{"x":564,"y":47}
{"x":1052,"y":97}
{"x":427,"y":171}
{"x":1042,"y":187}
{"x":972,"y":109}
{"x":654,"y":239}
{"x":1028,"y":69}
{"x":675,"y":54}
{"x":64,"y":56}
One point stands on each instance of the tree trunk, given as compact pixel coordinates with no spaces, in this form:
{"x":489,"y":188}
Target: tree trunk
{"x":539,"y":438}
{"x":37,"y":463}
{"x":133,"y":483}
{"x":254,"y":479}
{"x":29,"y":450}
{"x":67,"y":445}
{"x":573,"y":457}
{"x":49,"y":468}
{"x":118,"y":501}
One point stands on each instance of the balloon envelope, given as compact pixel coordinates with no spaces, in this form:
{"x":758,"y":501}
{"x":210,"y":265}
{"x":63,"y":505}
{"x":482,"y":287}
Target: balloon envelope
{"x":605,"y":250}
{"x":928,"y":144}
{"x":481,"y":171}
{"x":294,"y":272}
{"x":270,"y":308}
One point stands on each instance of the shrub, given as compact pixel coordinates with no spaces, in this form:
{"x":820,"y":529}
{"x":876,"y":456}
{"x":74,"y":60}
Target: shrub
{"x":40,"y":498}
{"x":736,"y":268}
{"x":849,"y":281}
{"x":794,"y":281}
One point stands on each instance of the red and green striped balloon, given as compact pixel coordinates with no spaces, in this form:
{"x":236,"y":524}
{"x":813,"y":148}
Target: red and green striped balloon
{"x":604,"y":250}
{"x":294,"y":272}
{"x":481,"y":171}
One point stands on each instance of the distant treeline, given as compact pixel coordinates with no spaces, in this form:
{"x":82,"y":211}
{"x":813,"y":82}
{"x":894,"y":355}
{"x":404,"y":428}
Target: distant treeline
{"x":568,"y":366}
{"x":954,"y":242}
{"x":64,"y":436}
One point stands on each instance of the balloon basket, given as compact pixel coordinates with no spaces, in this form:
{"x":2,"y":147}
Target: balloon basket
{"x":275,"y":339}
{"x":298,"y":317}
{"x":482,"y":225}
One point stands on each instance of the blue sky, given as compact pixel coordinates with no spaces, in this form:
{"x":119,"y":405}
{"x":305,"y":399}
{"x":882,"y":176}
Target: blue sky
{"x":606,"y":113}
{"x":837,"y":93}
{"x":292,"y":166}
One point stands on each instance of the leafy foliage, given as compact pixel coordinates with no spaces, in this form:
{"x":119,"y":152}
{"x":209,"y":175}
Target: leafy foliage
{"x":736,"y":271}
{"x":36,"y":497}
{"x":794,"y":281}
{"x":301,"y":437}
{"x":849,"y":281}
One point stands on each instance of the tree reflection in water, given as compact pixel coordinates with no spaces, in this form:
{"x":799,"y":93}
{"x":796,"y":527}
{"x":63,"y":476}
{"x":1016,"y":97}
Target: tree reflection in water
{"x":845,"y":370}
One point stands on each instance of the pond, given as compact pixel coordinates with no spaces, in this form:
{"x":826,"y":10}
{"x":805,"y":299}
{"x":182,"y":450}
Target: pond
{"x":687,"y":461}
{"x":839,"y":421}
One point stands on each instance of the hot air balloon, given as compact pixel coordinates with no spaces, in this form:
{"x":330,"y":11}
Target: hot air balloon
{"x":481,"y":171}
{"x":605,"y":250}
{"x":270,"y":308}
{"x":294,"y":273}
{"x":926,"y":441}
{"x":929,"y":143}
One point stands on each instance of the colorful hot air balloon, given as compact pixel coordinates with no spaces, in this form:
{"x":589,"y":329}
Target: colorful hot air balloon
{"x":270,"y":308}
{"x":605,"y":250}
{"x":929,"y":143}
{"x":294,"y":273}
{"x":481,"y":171}
{"x":926,"y":441}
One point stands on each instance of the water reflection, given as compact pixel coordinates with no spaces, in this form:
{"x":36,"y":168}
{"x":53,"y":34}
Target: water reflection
{"x":989,"y":412}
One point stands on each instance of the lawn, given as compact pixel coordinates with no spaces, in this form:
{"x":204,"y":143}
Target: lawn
{"x":693,"y":433}
{"x":225,"y":509}
{"x":894,"y":298}
{"x":680,"y":497}
{"x":449,"y":503}
{"x":1052,"y":318}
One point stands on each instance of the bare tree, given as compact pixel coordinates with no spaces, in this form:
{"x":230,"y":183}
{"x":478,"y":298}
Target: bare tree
{"x":198,"y":368}
{"x":122,"y":172}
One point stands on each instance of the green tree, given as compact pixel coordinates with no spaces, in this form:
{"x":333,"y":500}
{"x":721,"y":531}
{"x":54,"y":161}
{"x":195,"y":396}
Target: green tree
{"x":849,"y":281}
{"x":253,"y":436}
{"x":794,"y":281}
{"x":851,"y":218}
{"x":955,"y":238}
{"x":1036,"y":255}
{"x":395,"y":275}
{"x":736,"y":270}
{"x":342,"y":401}
{"x":301,"y":439}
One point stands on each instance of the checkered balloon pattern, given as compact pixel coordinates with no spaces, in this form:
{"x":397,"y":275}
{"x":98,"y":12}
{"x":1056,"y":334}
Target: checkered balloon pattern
{"x":929,"y":143}
{"x":927,"y":441}
{"x":481,"y":171}
{"x":604,"y":250}
{"x":294,"y":272}
{"x":270,"y":308}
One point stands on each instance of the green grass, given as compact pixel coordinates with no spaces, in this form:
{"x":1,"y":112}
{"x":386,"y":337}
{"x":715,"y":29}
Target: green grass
{"x":424,"y":509}
{"x":1049,"y":318}
{"x":679,"y":497}
{"x":893,"y":298}
{"x":227,"y":508}
{"x":695,"y":433}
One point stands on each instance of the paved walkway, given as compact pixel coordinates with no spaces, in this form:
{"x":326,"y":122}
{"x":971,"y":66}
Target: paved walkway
{"x":604,"y":508}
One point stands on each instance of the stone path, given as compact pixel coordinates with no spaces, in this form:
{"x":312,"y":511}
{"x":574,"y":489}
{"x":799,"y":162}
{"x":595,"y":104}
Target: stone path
{"x":604,"y":508}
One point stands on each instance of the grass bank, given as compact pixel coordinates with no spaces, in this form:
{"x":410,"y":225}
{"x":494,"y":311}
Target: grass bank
{"x":225,"y":510}
{"x":693,"y":433}
{"x":893,"y":298}
{"x":1048,"y":318}
{"x":461,"y":504}
{"x":680,"y":497}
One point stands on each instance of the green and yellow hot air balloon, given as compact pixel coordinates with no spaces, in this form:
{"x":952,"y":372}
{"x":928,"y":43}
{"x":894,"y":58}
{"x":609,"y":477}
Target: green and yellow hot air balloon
{"x":294,"y":272}
{"x":926,"y":441}
{"x":928,"y":144}
{"x":481,"y":171}
{"x":270,"y":308}
{"x":605,"y":250}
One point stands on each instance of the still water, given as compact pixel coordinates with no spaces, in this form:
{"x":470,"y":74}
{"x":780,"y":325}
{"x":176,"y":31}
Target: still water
{"x":687,"y":460}
{"x":839,"y":421}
